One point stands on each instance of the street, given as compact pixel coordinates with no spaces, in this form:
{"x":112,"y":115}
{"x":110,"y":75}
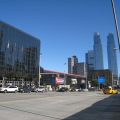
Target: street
{"x":59,"y":106}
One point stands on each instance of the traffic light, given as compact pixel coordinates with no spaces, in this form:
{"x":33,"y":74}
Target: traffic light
{"x":40,"y":76}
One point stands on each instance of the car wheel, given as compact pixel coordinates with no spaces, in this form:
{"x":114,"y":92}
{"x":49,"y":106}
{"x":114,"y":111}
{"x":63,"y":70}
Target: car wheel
{"x":36,"y":91}
{"x":5,"y":91}
{"x":15,"y":91}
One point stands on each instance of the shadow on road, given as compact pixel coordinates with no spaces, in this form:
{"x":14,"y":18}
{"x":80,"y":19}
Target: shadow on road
{"x":106,"y":109}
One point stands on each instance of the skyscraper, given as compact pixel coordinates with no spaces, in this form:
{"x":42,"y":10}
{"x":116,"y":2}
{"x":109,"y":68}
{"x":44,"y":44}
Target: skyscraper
{"x":81,"y":68}
{"x":98,"y":52}
{"x":89,"y":58}
{"x":112,"y":57}
{"x":72,"y":64}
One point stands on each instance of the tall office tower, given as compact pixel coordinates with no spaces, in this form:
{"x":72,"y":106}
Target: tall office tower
{"x":72,"y":65}
{"x":98,"y":52}
{"x":89,"y":58}
{"x":112,"y":57}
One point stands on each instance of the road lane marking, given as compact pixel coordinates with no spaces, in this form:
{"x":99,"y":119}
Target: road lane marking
{"x":58,"y":101}
{"x":23,"y":100}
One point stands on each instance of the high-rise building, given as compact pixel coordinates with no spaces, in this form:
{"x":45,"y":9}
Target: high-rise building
{"x":112,"y":57}
{"x":89,"y":58}
{"x":98,"y":52}
{"x":19,"y":55}
{"x":81,"y":68}
{"x":72,"y":65}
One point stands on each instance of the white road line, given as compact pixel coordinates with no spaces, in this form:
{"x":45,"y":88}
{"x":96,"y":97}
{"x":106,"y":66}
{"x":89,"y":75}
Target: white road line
{"x":58,"y":101}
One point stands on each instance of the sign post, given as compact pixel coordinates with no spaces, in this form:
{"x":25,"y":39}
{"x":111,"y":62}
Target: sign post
{"x":101,"y":80}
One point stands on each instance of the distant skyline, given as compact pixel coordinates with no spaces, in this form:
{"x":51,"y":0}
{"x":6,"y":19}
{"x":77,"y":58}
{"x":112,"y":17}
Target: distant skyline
{"x":65,"y":27}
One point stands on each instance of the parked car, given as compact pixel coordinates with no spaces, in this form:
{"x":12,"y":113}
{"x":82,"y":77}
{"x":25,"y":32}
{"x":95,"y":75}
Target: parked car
{"x":39,"y":89}
{"x":72,"y":90}
{"x":81,"y":90}
{"x":62,"y":89}
{"x":9,"y":89}
{"x":25,"y":89}
{"x":92,"y":89}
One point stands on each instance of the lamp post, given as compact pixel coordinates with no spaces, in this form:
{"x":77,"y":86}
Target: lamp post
{"x":115,"y":49}
{"x":117,"y":76}
{"x":64,"y":74}
{"x":86,"y":79}
{"x":116,"y":24}
{"x":39,"y":67}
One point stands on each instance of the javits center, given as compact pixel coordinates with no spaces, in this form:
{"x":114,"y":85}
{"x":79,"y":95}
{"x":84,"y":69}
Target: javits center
{"x":19,"y":56}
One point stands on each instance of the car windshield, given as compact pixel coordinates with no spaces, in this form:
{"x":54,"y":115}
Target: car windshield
{"x":41,"y":87}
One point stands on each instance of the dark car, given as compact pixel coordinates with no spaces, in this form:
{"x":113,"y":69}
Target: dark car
{"x":62,"y":89}
{"x":81,"y":90}
{"x":25,"y":89}
{"x":73,"y":90}
{"x":92,"y":89}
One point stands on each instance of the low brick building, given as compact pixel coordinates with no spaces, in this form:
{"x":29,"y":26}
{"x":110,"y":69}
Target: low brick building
{"x":106,"y":73}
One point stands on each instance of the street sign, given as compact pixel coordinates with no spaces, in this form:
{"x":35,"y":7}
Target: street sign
{"x":101,"y":79}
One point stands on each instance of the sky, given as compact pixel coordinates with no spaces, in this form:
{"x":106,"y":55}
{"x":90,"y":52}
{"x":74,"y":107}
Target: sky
{"x":64,"y":27}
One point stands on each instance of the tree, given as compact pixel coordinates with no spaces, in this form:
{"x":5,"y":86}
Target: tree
{"x":107,"y":83}
{"x":94,"y":82}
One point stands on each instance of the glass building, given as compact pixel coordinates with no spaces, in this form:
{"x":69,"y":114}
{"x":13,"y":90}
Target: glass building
{"x":89,"y":58}
{"x":112,"y":57}
{"x":19,"y":56}
{"x":98,"y":52}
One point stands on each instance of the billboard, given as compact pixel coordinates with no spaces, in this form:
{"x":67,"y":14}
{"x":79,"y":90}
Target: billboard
{"x":101,"y":79}
{"x":59,"y":80}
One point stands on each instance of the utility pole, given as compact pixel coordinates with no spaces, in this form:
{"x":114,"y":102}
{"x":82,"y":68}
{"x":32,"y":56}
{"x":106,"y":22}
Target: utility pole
{"x":116,"y":24}
{"x":39,"y":68}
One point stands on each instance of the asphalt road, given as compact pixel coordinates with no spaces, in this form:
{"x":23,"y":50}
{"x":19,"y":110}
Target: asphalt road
{"x":59,"y":106}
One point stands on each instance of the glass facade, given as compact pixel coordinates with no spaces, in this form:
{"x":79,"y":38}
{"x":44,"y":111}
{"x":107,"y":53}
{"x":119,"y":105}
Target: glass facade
{"x":112,"y":56}
{"x":89,"y":57}
{"x":19,"y":54}
{"x":98,"y":52}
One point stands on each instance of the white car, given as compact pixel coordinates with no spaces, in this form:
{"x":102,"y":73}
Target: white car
{"x":9,"y":89}
{"x":40,"y":89}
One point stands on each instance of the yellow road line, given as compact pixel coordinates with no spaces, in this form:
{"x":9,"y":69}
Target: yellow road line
{"x":4,"y":102}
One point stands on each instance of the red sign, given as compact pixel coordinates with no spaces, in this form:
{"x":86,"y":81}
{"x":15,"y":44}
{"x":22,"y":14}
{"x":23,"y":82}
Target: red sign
{"x":59,"y":80}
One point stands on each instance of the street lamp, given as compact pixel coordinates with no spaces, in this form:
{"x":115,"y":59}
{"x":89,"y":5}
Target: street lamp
{"x":116,"y":24}
{"x":39,"y":67}
{"x":64,"y":74}
{"x":86,"y":79}
{"x":115,"y":48}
